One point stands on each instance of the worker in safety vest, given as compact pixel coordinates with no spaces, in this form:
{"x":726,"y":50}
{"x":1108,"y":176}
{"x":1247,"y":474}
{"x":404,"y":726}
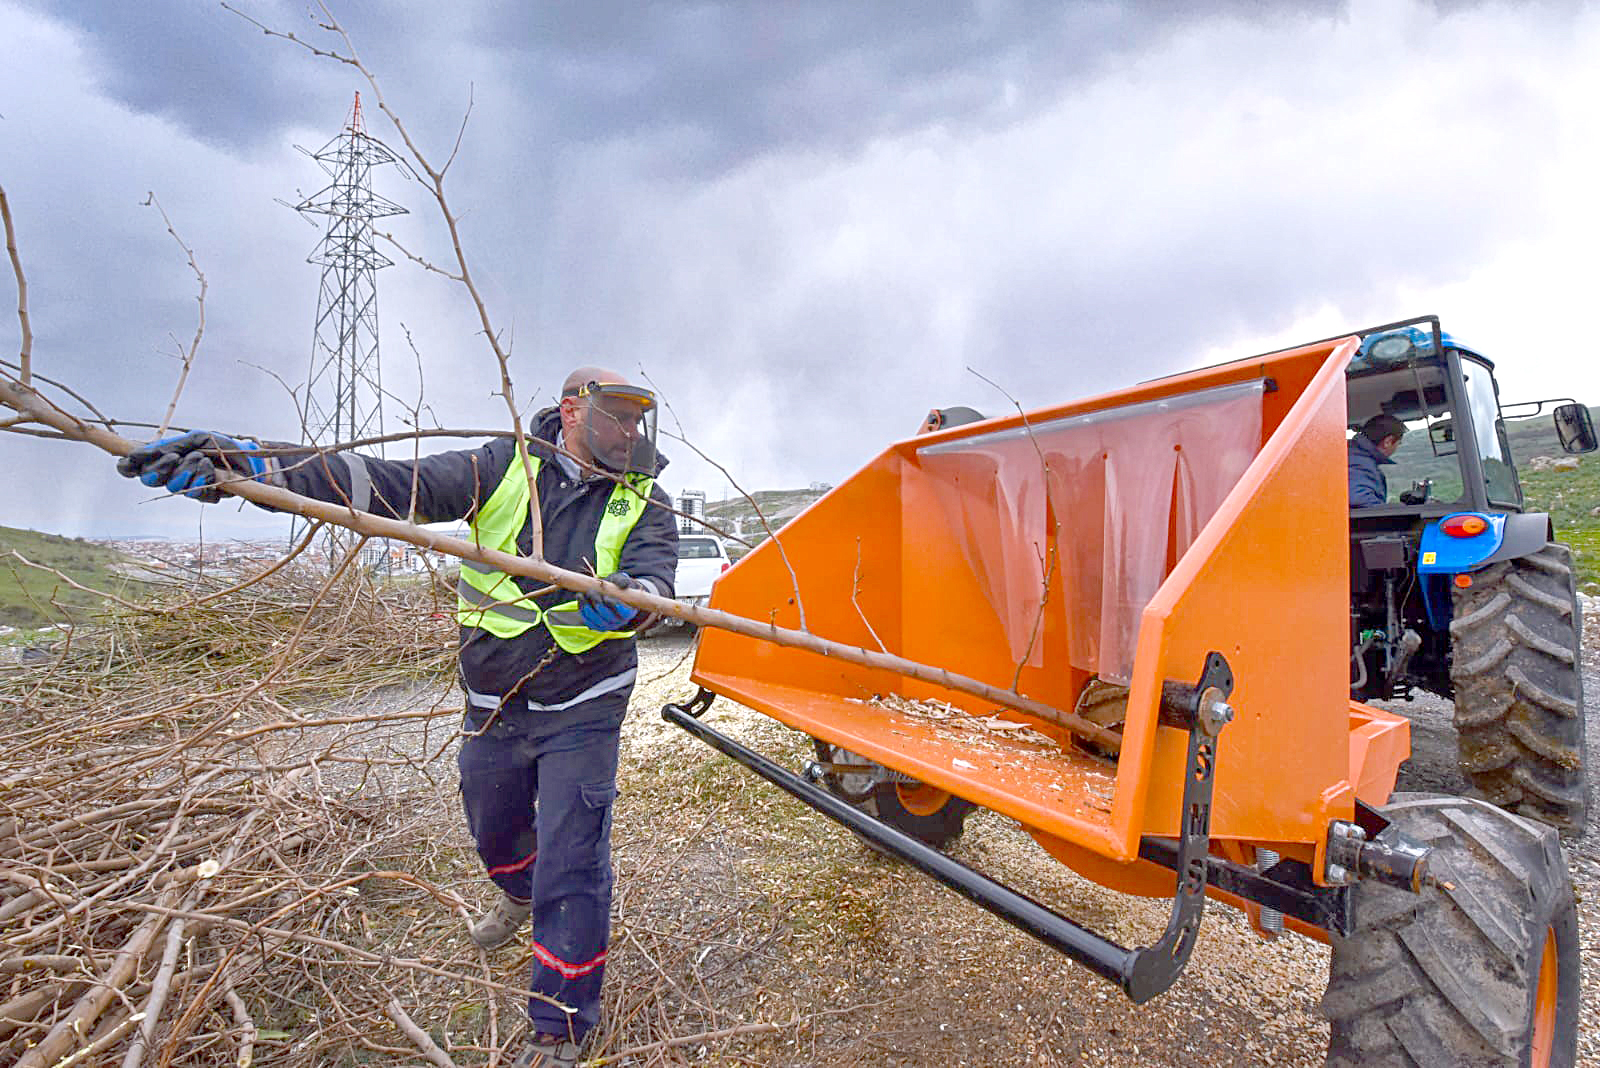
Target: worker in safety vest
{"x":547,"y":677}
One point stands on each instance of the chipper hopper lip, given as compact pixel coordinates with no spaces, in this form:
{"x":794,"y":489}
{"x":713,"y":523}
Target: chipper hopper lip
{"x":1201,"y":513}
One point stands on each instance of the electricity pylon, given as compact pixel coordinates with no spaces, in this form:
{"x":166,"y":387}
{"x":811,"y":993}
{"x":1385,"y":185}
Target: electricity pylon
{"x":344,"y":389}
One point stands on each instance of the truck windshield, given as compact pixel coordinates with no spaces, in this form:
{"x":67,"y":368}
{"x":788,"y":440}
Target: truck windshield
{"x":698,"y":549}
{"x":1499,"y":476}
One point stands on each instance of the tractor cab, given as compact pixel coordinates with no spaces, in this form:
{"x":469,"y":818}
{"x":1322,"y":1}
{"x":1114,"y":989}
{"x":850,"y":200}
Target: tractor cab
{"x":1455,"y":455}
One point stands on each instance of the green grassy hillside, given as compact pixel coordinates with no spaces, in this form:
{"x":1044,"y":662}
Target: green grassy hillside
{"x":1528,"y":437}
{"x":26,"y":593}
{"x":1570,"y":497}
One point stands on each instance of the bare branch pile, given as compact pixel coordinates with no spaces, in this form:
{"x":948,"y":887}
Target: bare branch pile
{"x":204,"y":856}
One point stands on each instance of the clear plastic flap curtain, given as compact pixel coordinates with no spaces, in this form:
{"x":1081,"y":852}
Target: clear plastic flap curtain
{"x":1104,"y":503}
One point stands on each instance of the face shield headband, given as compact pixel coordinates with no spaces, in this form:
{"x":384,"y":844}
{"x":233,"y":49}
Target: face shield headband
{"x":619,"y":426}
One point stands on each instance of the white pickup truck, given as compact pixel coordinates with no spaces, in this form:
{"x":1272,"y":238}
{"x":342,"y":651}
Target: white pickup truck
{"x":701,"y":559}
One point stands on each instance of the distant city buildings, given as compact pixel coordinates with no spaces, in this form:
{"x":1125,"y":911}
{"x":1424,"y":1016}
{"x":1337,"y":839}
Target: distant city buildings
{"x":168,"y":558}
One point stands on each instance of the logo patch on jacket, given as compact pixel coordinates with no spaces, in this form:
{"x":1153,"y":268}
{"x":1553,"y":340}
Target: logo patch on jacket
{"x":618,"y":507}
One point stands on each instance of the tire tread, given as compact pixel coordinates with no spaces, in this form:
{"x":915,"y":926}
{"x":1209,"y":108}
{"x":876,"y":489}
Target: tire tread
{"x":1446,"y":976}
{"x":1518,"y":687}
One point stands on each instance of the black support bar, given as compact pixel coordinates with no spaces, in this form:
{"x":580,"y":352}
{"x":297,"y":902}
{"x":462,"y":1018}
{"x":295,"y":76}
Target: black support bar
{"x":1287,"y":887}
{"x":1100,"y":955}
{"x":1201,"y":709}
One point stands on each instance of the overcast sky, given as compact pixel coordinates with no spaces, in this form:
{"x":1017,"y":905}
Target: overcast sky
{"x":804,"y":221}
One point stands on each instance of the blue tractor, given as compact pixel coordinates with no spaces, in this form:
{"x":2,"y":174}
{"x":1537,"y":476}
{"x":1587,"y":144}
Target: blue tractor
{"x":1456,"y":589}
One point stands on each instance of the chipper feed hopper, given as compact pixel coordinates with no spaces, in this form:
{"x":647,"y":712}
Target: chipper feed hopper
{"x":1149,"y":590}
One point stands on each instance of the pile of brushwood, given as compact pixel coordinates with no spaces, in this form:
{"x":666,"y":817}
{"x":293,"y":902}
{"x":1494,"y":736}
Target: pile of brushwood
{"x":215,"y":839}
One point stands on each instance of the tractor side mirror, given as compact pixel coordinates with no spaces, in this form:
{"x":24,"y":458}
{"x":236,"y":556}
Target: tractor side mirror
{"x":1575,"y":428}
{"x":1442,"y":432}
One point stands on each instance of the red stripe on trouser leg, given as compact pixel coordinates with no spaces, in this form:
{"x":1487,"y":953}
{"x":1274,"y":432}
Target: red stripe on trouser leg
{"x":570,"y":971}
{"x":518,"y":865}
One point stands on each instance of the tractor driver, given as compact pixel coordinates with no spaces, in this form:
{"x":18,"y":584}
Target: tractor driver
{"x":1372,"y":447}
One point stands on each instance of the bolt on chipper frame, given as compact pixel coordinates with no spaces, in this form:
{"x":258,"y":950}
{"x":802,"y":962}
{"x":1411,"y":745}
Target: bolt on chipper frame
{"x":1186,"y":543}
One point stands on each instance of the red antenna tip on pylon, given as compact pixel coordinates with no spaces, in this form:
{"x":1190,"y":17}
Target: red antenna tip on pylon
{"x":355,"y":115}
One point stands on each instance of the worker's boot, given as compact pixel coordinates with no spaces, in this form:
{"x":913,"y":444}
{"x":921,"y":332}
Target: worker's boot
{"x":547,"y":1051}
{"x":495,"y":927}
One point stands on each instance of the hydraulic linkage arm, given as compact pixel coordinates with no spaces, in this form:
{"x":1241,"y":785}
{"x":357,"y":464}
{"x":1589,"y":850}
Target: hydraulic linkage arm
{"x":1201,"y":709}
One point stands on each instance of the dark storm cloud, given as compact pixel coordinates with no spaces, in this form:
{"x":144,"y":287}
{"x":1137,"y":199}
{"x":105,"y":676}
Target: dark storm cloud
{"x":708,"y":85}
{"x":195,"y":64}
{"x":730,"y":81}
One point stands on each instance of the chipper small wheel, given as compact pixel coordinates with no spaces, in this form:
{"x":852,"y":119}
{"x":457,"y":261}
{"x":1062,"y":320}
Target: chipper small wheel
{"x":1516,"y":674}
{"x":1481,"y":968}
{"x":924,"y":812}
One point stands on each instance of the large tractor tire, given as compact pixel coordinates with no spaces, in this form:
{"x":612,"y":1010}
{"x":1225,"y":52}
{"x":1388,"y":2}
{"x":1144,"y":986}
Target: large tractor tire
{"x":1518,"y":685}
{"x":926,"y":813}
{"x":1481,"y":969}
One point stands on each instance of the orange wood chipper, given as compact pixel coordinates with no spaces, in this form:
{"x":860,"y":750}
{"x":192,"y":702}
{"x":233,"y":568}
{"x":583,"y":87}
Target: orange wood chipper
{"x":1154,"y":585}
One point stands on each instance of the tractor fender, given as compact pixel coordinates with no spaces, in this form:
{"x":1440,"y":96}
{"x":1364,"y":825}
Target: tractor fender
{"x":1508,"y":536}
{"x":1525,"y":534}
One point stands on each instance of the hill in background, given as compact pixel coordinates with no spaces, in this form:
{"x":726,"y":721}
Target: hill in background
{"x":30,"y":597}
{"x":737,"y":516}
{"x":1531,"y":437}
{"x":1571,"y":497}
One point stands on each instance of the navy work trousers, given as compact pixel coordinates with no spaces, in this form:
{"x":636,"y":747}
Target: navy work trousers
{"x":538,"y":788}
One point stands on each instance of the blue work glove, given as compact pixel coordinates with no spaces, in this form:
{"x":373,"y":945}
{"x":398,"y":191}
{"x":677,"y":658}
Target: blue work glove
{"x":600,"y":612}
{"x":190,"y":463}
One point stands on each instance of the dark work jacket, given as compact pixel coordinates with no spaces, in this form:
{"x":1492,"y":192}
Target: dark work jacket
{"x":1368,"y":486}
{"x":451,"y":485}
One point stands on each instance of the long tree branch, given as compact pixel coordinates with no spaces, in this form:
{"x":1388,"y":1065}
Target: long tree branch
{"x":25,"y":355}
{"x":18,"y":398}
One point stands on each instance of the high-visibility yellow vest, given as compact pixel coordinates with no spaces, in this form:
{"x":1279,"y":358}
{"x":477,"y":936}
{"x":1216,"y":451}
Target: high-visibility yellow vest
{"x":491,"y":600}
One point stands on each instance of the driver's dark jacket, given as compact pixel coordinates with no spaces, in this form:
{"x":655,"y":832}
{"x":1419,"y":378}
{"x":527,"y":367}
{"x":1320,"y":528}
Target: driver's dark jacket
{"x":451,"y":485}
{"x":1368,"y":486}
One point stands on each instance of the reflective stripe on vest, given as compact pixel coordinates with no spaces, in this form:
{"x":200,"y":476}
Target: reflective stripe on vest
{"x":491,"y":600}
{"x":479,"y":601}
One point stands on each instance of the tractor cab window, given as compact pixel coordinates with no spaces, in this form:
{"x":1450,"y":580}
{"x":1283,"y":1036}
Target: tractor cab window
{"x":1499,"y":476}
{"x":1428,"y":460}
{"x":1426,"y":467}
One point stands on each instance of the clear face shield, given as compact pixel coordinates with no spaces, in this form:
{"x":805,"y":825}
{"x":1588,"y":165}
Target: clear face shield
{"x":619,"y":427}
